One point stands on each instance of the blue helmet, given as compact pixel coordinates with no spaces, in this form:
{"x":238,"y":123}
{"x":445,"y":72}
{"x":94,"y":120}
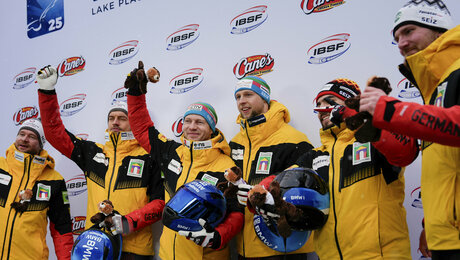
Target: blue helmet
{"x":306,"y":190}
{"x":96,"y":244}
{"x":194,"y":200}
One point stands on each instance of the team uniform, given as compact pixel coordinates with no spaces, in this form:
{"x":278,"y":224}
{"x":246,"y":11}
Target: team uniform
{"x":435,"y":71}
{"x":23,"y":235}
{"x":181,"y":163}
{"x":119,"y":170}
{"x":266,"y":144}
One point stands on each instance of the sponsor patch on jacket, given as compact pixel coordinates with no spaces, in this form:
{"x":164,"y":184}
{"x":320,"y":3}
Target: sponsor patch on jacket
{"x":65,"y":197}
{"x":5,"y":179}
{"x":135,"y":168}
{"x":175,"y":166}
{"x":39,"y":160}
{"x":100,"y":158}
{"x":43,"y":192}
{"x":202,"y":145}
{"x":127,"y":136}
{"x":320,"y":161}
{"x":237,"y":154}
{"x":439,"y":100}
{"x":19,"y":156}
{"x":263,"y":163}
{"x":361,"y":153}
{"x":208,"y":178}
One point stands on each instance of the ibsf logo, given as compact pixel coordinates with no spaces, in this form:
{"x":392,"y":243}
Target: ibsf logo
{"x":186,"y":81}
{"x":24,"y":78}
{"x":72,"y":105}
{"x":416,"y":198}
{"x":177,"y":126}
{"x":82,"y":136}
{"x":408,"y":90}
{"x":78,"y":224}
{"x":254,"y":65}
{"x":44,"y":16}
{"x":183,"y":37}
{"x":329,"y":48}
{"x":120,"y":95}
{"x":316,"y":6}
{"x":71,"y":66}
{"x":249,"y":19}
{"x":25,"y":113}
{"x":76,"y":185}
{"x":123,"y":52}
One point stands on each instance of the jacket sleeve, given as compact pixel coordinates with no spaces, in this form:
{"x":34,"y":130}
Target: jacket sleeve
{"x":53,"y":127}
{"x":139,"y":120}
{"x":425,"y":122}
{"x":399,"y":150}
{"x":230,"y":226}
{"x":146,"y":215}
{"x":60,"y":222}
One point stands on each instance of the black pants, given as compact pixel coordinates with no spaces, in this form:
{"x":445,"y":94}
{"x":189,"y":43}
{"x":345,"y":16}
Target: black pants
{"x":445,"y":254}
{"x":131,"y":256}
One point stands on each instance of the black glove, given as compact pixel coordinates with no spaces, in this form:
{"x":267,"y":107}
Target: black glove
{"x":136,"y":81}
{"x":367,"y":133}
{"x":206,"y":237}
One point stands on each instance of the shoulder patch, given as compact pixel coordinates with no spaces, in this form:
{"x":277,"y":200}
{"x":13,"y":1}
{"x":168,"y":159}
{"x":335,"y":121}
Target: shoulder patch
{"x":361,"y":153}
{"x":43,"y":192}
{"x":135,"y":168}
{"x":263,"y":163}
{"x":175,"y":166}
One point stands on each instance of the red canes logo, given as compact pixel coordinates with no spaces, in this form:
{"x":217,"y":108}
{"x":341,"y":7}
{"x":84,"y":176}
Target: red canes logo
{"x":329,"y":48}
{"x":78,"y":224}
{"x":71,"y":66}
{"x":72,"y":105}
{"x":177,"y":127}
{"x":24,"y":78}
{"x":25,"y":113}
{"x":183,"y":37}
{"x":249,"y":19}
{"x":123,"y":52}
{"x":316,"y":6}
{"x":186,"y":81}
{"x":254,"y":65}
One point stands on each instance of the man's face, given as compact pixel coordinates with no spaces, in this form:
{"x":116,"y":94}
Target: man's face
{"x":324,"y":116}
{"x":27,"y":142}
{"x":412,"y":38}
{"x":250,"y":104}
{"x":196,"y":128}
{"x":118,"y":122}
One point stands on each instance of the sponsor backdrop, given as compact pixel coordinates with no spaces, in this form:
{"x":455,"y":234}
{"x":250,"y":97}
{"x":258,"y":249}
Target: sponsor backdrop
{"x":201,"y":49}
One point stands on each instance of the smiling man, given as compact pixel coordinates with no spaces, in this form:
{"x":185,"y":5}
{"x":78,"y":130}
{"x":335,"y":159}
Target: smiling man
{"x":266,"y":144}
{"x":431,"y":51}
{"x":31,"y":193}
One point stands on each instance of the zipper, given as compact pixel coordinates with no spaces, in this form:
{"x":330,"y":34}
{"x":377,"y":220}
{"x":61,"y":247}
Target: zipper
{"x":333,"y":197}
{"x":249,"y":173}
{"x":25,"y":172}
{"x":114,"y":139}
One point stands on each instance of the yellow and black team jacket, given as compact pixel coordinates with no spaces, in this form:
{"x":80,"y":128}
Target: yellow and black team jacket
{"x":265,"y":145}
{"x":435,"y":71}
{"x":367,"y":219}
{"x":181,"y":163}
{"x":23,"y":235}
{"x":119,"y":170}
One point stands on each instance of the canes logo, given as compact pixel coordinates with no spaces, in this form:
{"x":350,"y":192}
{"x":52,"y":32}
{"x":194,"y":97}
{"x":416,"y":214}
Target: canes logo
{"x":249,"y":19}
{"x":123,"y":52}
{"x":120,"y":95}
{"x":82,"y":136}
{"x":71,"y":66}
{"x":254,"y":65}
{"x":183,"y":37}
{"x":25,"y":113}
{"x":316,"y":6}
{"x":78,"y":224}
{"x":177,"y":126}
{"x":24,"y":78}
{"x":72,"y":105}
{"x":408,"y":90}
{"x":329,"y":48}
{"x":76,"y":185}
{"x":186,"y":81}
{"x":416,"y":197}
{"x":44,"y":16}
